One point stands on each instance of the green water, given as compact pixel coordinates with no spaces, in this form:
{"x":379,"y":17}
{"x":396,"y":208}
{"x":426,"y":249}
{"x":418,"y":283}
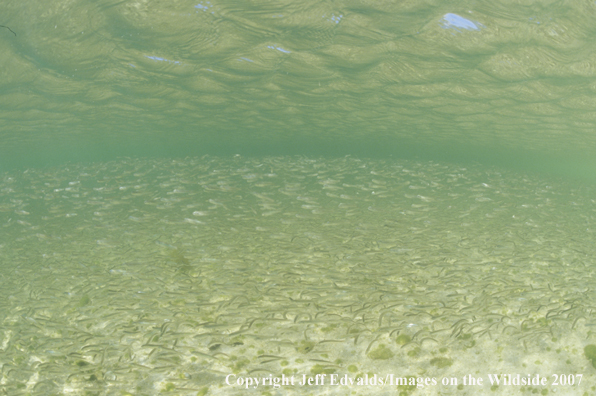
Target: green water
{"x":146,"y":276}
{"x":195,"y":191}
{"x":93,"y":82}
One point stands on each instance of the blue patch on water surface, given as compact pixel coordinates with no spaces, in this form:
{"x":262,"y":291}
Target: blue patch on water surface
{"x":279,"y":49}
{"x":334,"y":18}
{"x":157,"y":58}
{"x":454,"y":21}
{"x":204,"y":7}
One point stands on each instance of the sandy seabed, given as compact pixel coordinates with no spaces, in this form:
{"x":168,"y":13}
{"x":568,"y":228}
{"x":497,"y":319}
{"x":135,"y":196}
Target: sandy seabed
{"x":196,"y":276}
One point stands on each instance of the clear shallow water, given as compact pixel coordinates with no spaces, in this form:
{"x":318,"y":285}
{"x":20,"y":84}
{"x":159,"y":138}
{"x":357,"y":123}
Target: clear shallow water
{"x":164,"y":276}
{"x":140,"y":256}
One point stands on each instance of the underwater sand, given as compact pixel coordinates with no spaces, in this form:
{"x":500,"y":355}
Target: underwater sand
{"x":149,"y":277}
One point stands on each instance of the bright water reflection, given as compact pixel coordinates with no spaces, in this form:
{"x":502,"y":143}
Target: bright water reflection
{"x":494,"y":81}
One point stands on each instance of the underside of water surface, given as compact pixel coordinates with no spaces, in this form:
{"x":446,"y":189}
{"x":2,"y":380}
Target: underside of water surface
{"x":147,"y":277}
